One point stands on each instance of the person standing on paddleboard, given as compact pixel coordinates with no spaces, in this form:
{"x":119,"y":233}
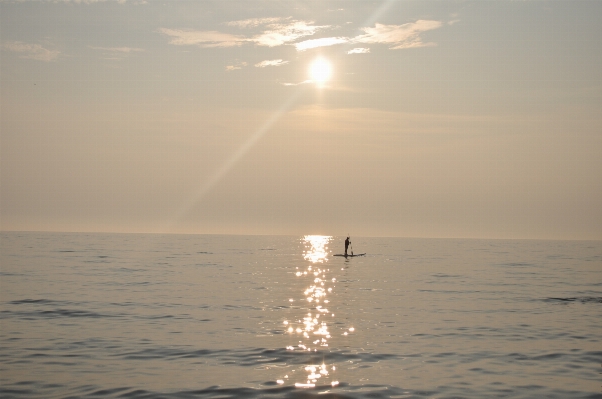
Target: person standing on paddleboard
{"x":347,"y":242}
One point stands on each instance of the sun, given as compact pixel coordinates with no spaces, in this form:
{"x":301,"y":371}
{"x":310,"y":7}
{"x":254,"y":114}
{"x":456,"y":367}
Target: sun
{"x":320,"y":71}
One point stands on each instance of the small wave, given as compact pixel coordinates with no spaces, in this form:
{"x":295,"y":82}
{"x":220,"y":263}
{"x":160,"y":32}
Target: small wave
{"x":242,"y":307}
{"x":443,"y":275}
{"x":269,"y":389}
{"x":254,"y":356}
{"x":516,"y":264}
{"x":124,"y":304}
{"x":46,"y":302}
{"x":52,"y":314}
{"x":583,"y":299}
{"x":11,"y":274}
{"x":60,"y":309}
{"x":343,"y":391}
{"x":37,"y":301}
{"x":258,"y":356}
{"x":171,"y":353}
{"x":577,"y":357}
{"x":130,"y":270}
{"x":288,"y":392}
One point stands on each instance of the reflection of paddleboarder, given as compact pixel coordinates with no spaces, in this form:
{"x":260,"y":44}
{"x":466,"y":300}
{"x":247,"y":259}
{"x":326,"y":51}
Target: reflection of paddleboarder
{"x":347,"y":242}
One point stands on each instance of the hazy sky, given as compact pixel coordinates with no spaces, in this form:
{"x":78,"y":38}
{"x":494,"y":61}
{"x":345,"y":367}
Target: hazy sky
{"x":422,"y":119}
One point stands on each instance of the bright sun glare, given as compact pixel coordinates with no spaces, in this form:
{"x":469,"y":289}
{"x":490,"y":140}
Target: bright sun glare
{"x":320,"y":70}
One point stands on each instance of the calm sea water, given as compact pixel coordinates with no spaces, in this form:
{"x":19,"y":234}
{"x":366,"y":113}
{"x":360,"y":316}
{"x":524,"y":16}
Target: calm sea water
{"x":185,"y":316}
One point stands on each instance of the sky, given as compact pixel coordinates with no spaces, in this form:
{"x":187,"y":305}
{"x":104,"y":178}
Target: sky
{"x":468,"y":119}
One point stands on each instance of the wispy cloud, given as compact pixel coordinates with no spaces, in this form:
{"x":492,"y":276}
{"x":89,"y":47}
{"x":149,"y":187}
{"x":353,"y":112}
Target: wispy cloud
{"x":31,"y":51}
{"x":282,"y":31}
{"x":118,"y":49}
{"x":276,"y":32}
{"x":235,"y":67}
{"x":359,"y":50}
{"x":279,"y":34}
{"x":266,"y":63}
{"x":399,"y":36}
{"x":323,"y":42}
{"x":297,"y":84}
{"x":254,"y":22}
{"x":202,"y":38}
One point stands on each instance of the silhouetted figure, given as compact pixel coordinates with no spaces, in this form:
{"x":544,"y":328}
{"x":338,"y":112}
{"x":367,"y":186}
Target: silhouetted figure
{"x":347,"y":242}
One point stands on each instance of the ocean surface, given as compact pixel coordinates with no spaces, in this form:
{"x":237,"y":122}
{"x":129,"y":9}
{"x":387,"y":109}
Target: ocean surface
{"x":209,"y":316}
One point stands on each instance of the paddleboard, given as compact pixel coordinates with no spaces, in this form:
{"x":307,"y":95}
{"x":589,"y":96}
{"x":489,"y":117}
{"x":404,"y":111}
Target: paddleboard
{"x":349,"y":256}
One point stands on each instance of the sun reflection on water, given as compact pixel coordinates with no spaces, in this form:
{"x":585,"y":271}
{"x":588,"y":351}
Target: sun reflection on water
{"x":316,"y":249}
{"x":312,"y":330}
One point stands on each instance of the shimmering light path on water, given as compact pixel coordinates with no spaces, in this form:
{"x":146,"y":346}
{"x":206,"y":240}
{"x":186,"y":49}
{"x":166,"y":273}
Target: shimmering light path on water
{"x":314,"y":332}
{"x":149,"y":316}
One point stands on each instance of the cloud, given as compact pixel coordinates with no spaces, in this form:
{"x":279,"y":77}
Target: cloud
{"x":399,"y":36}
{"x":202,"y":38}
{"x":359,"y":50}
{"x":297,"y":84}
{"x":253,"y":22}
{"x":31,"y":51}
{"x":274,"y":34}
{"x":278,"y":31}
{"x":118,"y":49}
{"x":282,"y":31}
{"x":325,"y":41}
{"x":280,"y":34}
{"x":266,"y":63}
{"x":235,"y":67}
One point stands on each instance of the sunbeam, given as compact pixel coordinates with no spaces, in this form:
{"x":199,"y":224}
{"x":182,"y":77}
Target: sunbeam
{"x":320,"y":73}
{"x":229,"y":164}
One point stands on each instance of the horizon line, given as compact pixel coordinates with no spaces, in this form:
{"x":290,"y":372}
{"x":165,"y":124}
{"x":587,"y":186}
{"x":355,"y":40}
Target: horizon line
{"x":300,"y":235}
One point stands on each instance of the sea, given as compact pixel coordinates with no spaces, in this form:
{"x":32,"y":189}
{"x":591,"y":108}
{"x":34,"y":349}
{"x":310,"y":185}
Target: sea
{"x":95,"y":315}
